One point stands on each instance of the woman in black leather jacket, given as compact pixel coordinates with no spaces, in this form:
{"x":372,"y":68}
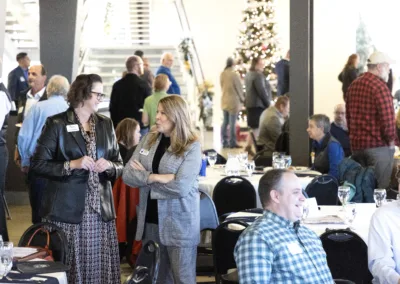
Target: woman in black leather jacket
{"x":79,"y":155}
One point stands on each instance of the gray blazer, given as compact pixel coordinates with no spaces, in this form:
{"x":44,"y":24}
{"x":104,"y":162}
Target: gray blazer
{"x":178,"y":201}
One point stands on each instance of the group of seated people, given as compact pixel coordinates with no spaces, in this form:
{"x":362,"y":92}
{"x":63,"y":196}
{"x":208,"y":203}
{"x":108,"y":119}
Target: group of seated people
{"x":276,"y":248}
{"x":330,"y":140}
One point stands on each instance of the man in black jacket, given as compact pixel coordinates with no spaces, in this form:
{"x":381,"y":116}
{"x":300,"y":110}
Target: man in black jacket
{"x":128,"y":94}
{"x":18,"y":78}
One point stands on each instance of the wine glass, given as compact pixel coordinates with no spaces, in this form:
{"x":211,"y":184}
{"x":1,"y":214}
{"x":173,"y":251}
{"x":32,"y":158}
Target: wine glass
{"x":278,"y":163}
{"x":6,"y":256}
{"x":350,"y":213}
{"x":244,"y":158}
{"x":250,"y":166}
{"x":343,"y":194}
{"x":306,"y":210}
{"x":212,"y":158}
{"x":379,"y":196}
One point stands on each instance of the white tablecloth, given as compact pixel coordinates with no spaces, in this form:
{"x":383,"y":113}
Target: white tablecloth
{"x":20,"y":252}
{"x":360,"y":224}
{"x":214,"y":175}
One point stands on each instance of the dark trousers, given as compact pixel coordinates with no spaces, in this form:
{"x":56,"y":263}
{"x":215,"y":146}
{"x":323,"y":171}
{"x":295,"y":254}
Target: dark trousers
{"x":3,"y":171}
{"x":36,"y":188}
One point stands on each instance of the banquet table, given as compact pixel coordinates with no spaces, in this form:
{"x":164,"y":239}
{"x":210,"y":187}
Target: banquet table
{"x":16,"y":277}
{"x":360,"y":224}
{"x":215,"y":174}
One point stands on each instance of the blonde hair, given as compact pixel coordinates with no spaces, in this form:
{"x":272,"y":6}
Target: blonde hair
{"x":125,"y":130}
{"x":161,"y":83}
{"x":183,"y":134}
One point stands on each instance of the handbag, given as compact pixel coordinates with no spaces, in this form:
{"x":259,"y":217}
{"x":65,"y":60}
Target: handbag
{"x":42,"y":252}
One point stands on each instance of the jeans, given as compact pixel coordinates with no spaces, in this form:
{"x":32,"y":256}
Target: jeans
{"x":230,"y":119}
{"x":381,"y":159}
{"x":3,"y":170}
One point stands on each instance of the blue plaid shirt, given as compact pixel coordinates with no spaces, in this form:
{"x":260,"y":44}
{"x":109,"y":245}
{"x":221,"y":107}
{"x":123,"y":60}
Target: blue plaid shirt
{"x":272,"y":250}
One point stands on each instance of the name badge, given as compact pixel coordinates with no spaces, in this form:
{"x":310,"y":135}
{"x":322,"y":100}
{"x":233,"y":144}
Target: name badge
{"x":21,"y":109}
{"x":295,"y":248}
{"x":22,"y":79}
{"x":72,"y":128}
{"x":144,"y":152}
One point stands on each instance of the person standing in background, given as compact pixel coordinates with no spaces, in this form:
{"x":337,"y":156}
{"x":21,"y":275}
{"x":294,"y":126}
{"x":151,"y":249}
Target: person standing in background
{"x":18,"y":78}
{"x":167,"y":60}
{"x":282,"y":71}
{"x":147,"y":74}
{"x":231,"y":102}
{"x":349,"y":73}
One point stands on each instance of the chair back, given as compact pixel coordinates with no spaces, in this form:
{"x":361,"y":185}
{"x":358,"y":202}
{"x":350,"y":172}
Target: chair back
{"x":282,"y":144}
{"x":347,"y":255}
{"x":233,"y":194}
{"x":325,"y":189}
{"x":256,"y":146}
{"x":343,"y":281}
{"x":208,"y":213}
{"x":49,"y":236}
{"x":147,"y":265}
{"x":223,"y":243}
{"x":263,"y":158}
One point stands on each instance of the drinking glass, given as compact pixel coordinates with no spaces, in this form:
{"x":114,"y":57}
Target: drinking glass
{"x":6,"y":256}
{"x":244,"y":158}
{"x":277,"y":155}
{"x":278,"y":163}
{"x":379,"y":196}
{"x":343,"y":194}
{"x":350,"y":213}
{"x":288,"y":160}
{"x":306,"y":210}
{"x":232,"y":167}
{"x":212,"y":158}
{"x":250,"y":166}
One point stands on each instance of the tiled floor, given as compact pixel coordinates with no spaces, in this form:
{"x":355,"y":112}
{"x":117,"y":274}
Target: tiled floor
{"x":21,"y":215}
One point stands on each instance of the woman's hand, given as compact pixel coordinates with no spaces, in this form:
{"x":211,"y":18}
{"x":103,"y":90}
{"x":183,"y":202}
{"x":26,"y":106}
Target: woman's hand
{"x":166,"y":178}
{"x":102,"y":165}
{"x":137,"y":165}
{"x":86,"y":163}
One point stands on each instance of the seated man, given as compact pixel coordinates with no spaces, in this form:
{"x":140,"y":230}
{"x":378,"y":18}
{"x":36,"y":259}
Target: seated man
{"x":339,"y":129}
{"x":328,"y":151}
{"x":384,"y":244}
{"x":276,"y":248}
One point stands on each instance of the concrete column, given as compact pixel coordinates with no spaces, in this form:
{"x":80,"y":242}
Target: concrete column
{"x":301,"y":78}
{"x":59,"y":36}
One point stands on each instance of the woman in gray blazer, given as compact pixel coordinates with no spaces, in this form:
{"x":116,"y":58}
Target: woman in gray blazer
{"x":165,"y":167}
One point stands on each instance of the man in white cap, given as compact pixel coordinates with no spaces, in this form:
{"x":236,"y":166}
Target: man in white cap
{"x":371,"y":119}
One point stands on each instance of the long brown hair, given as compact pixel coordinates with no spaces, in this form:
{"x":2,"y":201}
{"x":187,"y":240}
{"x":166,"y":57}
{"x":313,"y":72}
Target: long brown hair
{"x":351,"y":61}
{"x":125,"y":130}
{"x":183,"y":134}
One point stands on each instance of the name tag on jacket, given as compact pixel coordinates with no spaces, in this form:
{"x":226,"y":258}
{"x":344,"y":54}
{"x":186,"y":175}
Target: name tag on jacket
{"x":22,"y":79}
{"x":72,"y":128}
{"x":294,"y":248}
{"x":144,"y":152}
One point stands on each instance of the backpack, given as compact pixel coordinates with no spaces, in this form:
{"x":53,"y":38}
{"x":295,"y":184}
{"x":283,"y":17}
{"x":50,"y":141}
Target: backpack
{"x":362,"y":178}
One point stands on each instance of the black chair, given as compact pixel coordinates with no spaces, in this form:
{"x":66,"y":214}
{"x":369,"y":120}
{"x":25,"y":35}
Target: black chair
{"x":223,"y":244}
{"x":263,"y":158}
{"x":220,"y":159}
{"x":147,"y":265}
{"x":37,"y":236}
{"x":208,"y":223}
{"x":347,"y":255}
{"x":325,"y":189}
{"x":256,"y":146}
{"x":233,"y":194}
{"x":343,"y":281}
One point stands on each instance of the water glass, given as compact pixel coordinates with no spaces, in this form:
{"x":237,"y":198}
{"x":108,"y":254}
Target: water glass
{"x":379,"y":196}
{"x":6,"y":256}
{"x":212,"y":158}
{"x":277,"y":155}
{"x":350,"y":212}
{"x":343,"y":194}
{"x":232,"y":167}
{"x":288,"y":160}
{"x":250,"y":166}
{"x":244,"y":157}
{"x":306,"y":210}
{"x":278,"y":163}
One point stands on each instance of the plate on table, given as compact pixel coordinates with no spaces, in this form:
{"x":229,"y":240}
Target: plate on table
{"x":299,"y":169}
{"x":218,"y":166}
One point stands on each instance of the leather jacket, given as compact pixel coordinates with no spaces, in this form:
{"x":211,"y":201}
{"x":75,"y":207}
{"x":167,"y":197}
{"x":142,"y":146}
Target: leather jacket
{"x":64,"y":196}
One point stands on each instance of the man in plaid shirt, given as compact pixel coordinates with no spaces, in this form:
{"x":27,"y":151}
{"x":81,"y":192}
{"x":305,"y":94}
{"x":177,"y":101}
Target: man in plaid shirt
{"x":276,"y":248}
{"x":371,"y":120}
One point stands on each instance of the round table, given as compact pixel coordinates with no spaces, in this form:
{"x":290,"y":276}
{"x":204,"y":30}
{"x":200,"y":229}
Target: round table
{"x":215,"y":174}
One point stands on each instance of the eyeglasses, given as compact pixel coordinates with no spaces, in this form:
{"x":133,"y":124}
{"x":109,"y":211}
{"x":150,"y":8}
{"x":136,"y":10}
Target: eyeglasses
{"x":100,"y":96}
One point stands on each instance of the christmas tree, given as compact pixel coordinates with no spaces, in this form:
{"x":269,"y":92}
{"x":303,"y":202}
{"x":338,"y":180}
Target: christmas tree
{"x":364,"y":45}
{"x":257,"y":36}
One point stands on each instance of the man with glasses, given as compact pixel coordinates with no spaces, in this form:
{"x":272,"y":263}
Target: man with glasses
{"x":339,"y":129}
{"x":371,"y":120}
{"x":276,"y":248}
{"x":31,"y":129}
{"x":128,"y":94}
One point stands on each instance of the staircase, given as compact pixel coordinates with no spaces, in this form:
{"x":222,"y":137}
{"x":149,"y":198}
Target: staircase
{"x":109,"y":63}
{"x":139,"y":18}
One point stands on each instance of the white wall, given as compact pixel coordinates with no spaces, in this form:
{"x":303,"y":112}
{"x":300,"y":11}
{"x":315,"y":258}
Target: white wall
{"x":165,"y":28}
{"x":335,"y":24}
